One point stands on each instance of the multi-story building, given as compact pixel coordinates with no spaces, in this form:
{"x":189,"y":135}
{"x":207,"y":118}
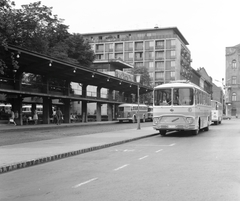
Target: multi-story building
{"x":232,"y":80}
{"x":162,"y":50}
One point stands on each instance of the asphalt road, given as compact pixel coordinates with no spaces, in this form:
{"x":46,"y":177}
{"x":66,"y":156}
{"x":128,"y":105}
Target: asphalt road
{"x":21,"y":136}
{"x":175,"y":167}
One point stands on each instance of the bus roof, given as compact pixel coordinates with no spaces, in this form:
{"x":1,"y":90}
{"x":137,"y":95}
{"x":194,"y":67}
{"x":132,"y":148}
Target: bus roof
{"x":178,"y":84}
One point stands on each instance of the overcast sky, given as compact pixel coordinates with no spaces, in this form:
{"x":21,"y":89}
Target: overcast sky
{"x":209,"y":26}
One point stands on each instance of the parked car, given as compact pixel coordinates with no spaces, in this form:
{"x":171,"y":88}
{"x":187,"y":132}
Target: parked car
{"x":227,"y":117}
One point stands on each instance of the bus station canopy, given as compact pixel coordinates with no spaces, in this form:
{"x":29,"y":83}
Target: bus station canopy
{"x":32,"y":62}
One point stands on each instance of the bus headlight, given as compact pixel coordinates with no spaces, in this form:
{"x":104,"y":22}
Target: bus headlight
{"x":189,"y":120}
{"x":155,"y":120}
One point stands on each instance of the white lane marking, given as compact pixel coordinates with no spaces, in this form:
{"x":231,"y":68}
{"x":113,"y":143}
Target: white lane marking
{"x":157,"y":145}
{"x":171,"y":145}
{"x":78,"y":185}
{"x":143,"y":157}
{"x":127,"y":150}
{"x":121,"y":167}
{"x":158,"y":150}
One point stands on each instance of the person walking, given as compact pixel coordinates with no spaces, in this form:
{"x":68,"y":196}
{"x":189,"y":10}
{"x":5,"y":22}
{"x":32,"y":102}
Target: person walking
{"x":59,"y":116}
{"x":11,"y":118}
{"x":35,"y":117}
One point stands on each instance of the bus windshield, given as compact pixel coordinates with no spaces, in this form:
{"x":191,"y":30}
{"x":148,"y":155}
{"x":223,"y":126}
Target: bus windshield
{"x":181,"y":96}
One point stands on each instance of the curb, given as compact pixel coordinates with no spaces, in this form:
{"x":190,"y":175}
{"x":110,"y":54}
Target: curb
{"x":20,"y":165}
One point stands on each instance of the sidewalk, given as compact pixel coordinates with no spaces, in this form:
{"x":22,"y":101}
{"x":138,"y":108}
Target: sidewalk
{"x":22,"y":155}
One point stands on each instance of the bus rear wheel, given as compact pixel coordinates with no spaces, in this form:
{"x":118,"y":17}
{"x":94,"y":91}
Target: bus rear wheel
{"x":162,"y":132}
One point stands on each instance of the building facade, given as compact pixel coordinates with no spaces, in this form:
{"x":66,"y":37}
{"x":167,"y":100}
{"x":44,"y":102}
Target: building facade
{"x":232,"y":80}
{"x":162,"y":50}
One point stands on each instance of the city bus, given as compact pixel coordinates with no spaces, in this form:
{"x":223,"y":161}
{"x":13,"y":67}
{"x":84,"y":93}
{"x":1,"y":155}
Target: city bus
{"x":217,"y":112}
{"x":181,"y":106}
{"x":27,"y":109}
{"x":128,"y":112}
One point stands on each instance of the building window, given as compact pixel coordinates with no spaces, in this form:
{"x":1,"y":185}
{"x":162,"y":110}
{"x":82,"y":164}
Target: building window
{"x":139,"y":64}
{"x":99,"y":56}
{"x":173,"y":54}
{"x":159,"y":75}
{"x":139,"y":46}
{"x":109,"y":47}
{"x":139,"y":55}
{"x":149,"y":65}
{"x":234,"y":96}
{"x":170,"y":65}
{"x":119,"y":56}
{"x":159,"y":44}
{"x":159,"y":55}
{"x":118,"y":47}
{"x":234,"y":64}
{"x":149,"y":55}
{"x":149,"y":45}
{"x":109,"y":56}
{"x":159,"y":65}
{"x":173,"y":64}
{"x":172,"y":74}
{"x":173,"y":43}
{"x":129,"y":56}
{"x":129,"y":46}
{"x":234,"y":80}
{"x":99,"y":47}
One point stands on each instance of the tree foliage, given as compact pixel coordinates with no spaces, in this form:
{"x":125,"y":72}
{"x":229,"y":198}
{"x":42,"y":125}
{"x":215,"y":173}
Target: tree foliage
{"x":35,"y":28}
{"x":145,"y":80}
{"x":143,"y":71}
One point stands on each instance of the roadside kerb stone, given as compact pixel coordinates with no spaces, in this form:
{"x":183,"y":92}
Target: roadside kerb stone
{"x":20,"y":165}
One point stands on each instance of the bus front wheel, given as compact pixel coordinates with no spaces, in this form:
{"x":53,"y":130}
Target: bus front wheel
{"x":195,"y":132}
{"x":162,"y":132}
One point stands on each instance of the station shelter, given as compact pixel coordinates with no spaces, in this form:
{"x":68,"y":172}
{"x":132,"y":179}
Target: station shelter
{"x":50,"y":82}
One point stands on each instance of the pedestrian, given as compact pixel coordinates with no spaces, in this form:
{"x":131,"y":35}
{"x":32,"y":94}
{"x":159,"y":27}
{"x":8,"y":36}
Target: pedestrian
{"x":35,"y":117}
{"x":11,"y":119}
{"x":59,"y":116}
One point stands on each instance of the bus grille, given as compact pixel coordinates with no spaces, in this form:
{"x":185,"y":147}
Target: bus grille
{"x":173,"y":120}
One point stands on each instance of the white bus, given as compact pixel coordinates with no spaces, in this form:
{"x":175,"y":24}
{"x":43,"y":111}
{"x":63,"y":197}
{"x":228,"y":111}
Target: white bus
{"x":128,"y":112}
{"x":181,"y":106}
{"x":27,"y":109}
{"x":217,"y":112}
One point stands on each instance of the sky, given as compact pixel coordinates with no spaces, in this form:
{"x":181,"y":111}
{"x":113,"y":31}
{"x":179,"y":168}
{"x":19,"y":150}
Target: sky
{"x":209,"y":26}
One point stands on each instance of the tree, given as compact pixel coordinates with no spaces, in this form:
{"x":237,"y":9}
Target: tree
{"x":145,"y":80}
{"x":35,"y":28}
{"x":145,"y":77}
{"x":79,"y":50}
{"x":5,"y":29}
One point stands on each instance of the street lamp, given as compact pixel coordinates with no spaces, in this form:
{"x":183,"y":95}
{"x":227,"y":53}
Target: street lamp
{"x":138,"y":77}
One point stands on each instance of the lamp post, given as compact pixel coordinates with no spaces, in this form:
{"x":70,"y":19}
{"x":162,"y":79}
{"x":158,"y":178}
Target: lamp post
{"x":138,"y":77}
